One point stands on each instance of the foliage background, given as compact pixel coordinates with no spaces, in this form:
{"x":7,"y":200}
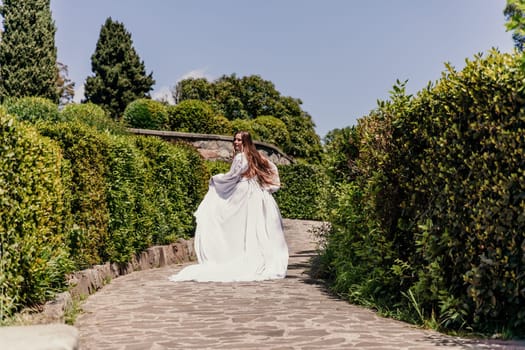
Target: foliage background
{"x":431,"y":226}
{"x":75,"y":194}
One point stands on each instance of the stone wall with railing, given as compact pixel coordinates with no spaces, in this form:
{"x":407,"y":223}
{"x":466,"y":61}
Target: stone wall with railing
{"x":216,"y":147}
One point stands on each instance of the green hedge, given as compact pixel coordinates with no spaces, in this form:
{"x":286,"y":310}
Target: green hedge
{"x":87,"y":152}
{"x":272,"y":130}
{"x":472,"y":171}
{"x":304,"y":192}
{"x":128,"y":192}
{"x":146,"y":114}
{"x":32,"y":109}
{"x":245,"y":125}
{"x":198,"y":117}
{"x":33,"y":216}
{"x":92,"y":115}
{"x":178,"y":181}
{"x":433,"y":227}
{"x":129,"y":205}
{"x":74,"y":195}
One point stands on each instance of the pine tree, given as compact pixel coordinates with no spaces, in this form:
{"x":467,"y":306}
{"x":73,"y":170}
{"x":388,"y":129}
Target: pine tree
{"x":119,"y":75}
{"x":28,"y":55}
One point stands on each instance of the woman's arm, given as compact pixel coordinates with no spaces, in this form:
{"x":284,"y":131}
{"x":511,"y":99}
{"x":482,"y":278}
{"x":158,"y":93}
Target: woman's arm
{"x":224,"y":183}
{"x":276,"y":181}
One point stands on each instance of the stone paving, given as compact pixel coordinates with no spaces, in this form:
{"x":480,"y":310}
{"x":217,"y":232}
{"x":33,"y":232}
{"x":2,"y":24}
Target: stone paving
{"x":143,"y":310}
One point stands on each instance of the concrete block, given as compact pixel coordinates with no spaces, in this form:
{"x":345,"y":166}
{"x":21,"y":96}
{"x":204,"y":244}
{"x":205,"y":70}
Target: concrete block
{"x":39,"y":337}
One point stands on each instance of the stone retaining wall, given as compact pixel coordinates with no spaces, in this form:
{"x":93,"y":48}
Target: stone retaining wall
{"x":88,"y":281}
{"x":216,"y":147}
{"x":85,"y":282}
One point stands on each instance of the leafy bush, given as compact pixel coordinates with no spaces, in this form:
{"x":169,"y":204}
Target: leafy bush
{"x":245,"y":125}
{"x":341,"y":150}
{"x":271,"y":130}
{"x":356,"y":257}
{"x":433,"y":224}
{"x":177,"y":184}
{"x":304,"y":142}
{"x":87,"y":153}
{"x":222,"y":125}
{"x":130,"y":229}
{"x":472,"y":172}
{"x":217,"y":167}
{"x":92,"y":115}
{"x":74,"y":196}
{"x":303,"y":193}
{"x":198,"y":117}
{"x":32,"y":108}
{"x":146,"y":114}
{"x":33,"y":217}
{"x":194,"y":175}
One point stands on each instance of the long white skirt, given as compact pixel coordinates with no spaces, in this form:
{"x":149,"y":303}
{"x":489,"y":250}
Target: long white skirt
{"x":239,"y":237}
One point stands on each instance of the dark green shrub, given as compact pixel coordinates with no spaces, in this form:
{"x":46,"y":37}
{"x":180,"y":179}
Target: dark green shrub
{"x":194,"y":174}
{"x":245,"y":125}
{"x":130,"y":227}
{"x":357,"y":258}
{"x":92,"y":115}
{"x":271,"y":130}
{"x":341,"y":150}
{"x":217,"y":167}
{"x":438,"y":203}
{"x":146,"y":114}
{"x":197,"y":117}
{"x":32,"y":109}
{"x":33,"y":217}
{"x":177,"y":186}
{"x":222,"y":125}
{"x":303,"y":193}
{"x":304,"y":142}
{"x":127,"y":192}
{"x":471,"y":170}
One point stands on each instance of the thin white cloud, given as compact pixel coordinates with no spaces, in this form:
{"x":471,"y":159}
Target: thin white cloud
{"x":196,"y":73}
{"x":163,"y":93}
{"x":79,"y":93}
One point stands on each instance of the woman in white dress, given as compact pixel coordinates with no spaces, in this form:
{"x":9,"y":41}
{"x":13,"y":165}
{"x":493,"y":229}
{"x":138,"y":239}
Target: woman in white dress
{"x":239,"y":234}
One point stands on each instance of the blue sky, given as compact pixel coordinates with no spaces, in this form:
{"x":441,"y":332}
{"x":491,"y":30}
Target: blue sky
{"x":338,"y":56}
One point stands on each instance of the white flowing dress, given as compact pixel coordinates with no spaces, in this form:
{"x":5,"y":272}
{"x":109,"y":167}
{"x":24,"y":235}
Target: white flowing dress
{"x":239,"y":234}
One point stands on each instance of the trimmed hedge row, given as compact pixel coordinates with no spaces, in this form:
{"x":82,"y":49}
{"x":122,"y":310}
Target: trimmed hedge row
{"x":472,"y":171}
{"x":434,"y":222}
{"x":86,"y":151}
{"x":33,"y":216}
{"x":76,"y":196}
{"x":198,"y":117}
{"x":304,"y":192}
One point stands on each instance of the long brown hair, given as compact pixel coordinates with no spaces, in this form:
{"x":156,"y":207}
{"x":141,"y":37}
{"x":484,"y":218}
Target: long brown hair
{"x":257,"y":164}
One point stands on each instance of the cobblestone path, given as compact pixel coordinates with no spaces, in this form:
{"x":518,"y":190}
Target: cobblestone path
{"x":143,"y":310}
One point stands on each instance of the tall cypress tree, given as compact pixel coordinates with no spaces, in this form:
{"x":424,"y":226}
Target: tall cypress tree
{"x":28,"y":55}
{"x":120,"y":76}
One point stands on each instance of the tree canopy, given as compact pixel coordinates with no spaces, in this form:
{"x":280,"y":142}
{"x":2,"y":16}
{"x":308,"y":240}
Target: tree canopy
{"x":28,"y":55}
{"x":515,"y":14}
{"x":119,"y":74}
{"x":250,"y":97}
